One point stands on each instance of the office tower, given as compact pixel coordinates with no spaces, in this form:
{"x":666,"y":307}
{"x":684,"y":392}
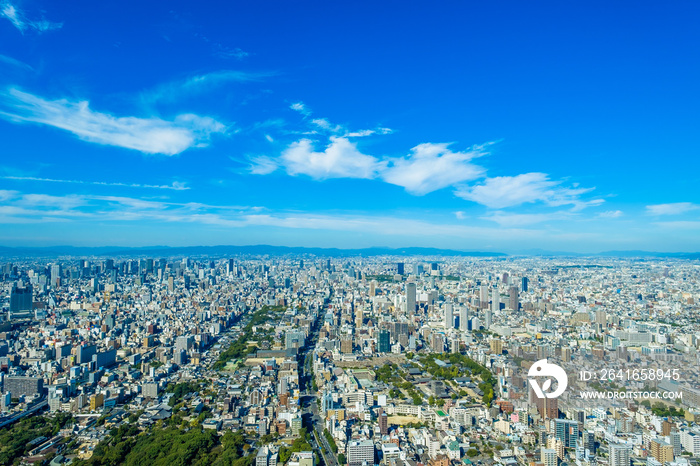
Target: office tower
{"x":464,"y":319}
{"x":346,"y":344}
{"x":28,"y":386}
{"x":384,"y":341}
{"x":449,"y":317}
{"x":360,"y":452}
{"x":495,"y":299}
{"x":566,"y":430}
{"x":55,"y":275}
{"x":488,"y":319}
{"x":400,"y":268}
{"x":171,"y":284}
{"x":548,"y":457}
{"x":373,"y":288}
{"x":524,"y":284}
{"x":484,"y":296}
{"x":619,"y":455}
{"x":184,"y":342}
{"x":589,"y":441}
{"x":438,"y":342}
{"x":410,"y":298}
{"x":20,"y":298}
{"x":383,"y":423}
{"x":513,"y":297}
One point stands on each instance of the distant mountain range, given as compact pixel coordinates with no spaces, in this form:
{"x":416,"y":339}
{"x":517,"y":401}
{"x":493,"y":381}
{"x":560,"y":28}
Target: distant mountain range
{"x":263,"y":249}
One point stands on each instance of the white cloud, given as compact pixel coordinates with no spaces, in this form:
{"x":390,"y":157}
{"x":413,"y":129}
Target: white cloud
{"x":430,"y":167}
{"x":195,"y":85}
{"x":301,"y":108}
{"x":147,"y":135}
{"x":611,"y":214}
{"x":676,"y":208}
{"x":510,"y":191}
{"x":14,"y":62}
{"x":21,"y":22}
{"x":507,"y":219}
{"x":176,"y":185}
{"x":340,"y":159}
{"x":460,"y":215}
{"x":262,"y":165}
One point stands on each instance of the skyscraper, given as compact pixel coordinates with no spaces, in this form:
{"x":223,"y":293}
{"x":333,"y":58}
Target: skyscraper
{"x":55,"y":275}
{"x":566,"y":430}
{"x":524,"y":283}
{"x":410,"y":298}
{"x":513,"y":298}
{"x":464,"y":319}
{"x":449,"y":316}
{"x":495,"y":299}
{"x":400,"y":268}
{"x":484,"y":296}
{"x":20,"y":298}
{"x":384,"y":345}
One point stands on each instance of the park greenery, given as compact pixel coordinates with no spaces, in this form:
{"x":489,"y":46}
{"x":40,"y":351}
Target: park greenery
{"x":301,"y":443}
{"x":240,"y":348}
{"x":170,"y":446}
{"x":15,"y":439}
{"x":460,"y":366}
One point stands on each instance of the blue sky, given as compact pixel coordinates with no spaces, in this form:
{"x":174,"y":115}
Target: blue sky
{"x":503,"y":126}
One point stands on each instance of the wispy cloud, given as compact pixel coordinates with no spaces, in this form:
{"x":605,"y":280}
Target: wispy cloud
{"x":199,"y":84}
{"x":262,"y":165}
{"x":14,"y":62}
{"x":301,"y":108}
{"x":17,"y":207}
{"x":611,"y":214}
{"x":431,"y":166}
{"x":176,"y":185}
{"x":147,"y":135}
{"x":507,"y":219}
{"x":510,"y":191}
{"x":20,"y":20}
{"x":222,"y":51}
{"x":675,"y":208}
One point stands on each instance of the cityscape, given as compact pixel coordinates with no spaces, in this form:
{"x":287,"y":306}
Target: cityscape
{"x":330,"y":233}
{"x":309,"y":360}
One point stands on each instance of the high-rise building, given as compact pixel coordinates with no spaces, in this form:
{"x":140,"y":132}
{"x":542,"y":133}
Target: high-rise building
{"x":360,"y":452}
{"x":496,"y":346}
{"x":20,"y":298}
{"x":619,"y":455}
{"x":383,"y":423}
{"x":662,"y":451}
{"x":524,"y":284}
{"x":400,"y":268}
{"x":449,"y":317}
{"x":495,"y":299}
{"x":55,"y":275}
{"x":410,"y":298}
{"x":346,"y":344}
{"x":488,"y":318}
{"x":28,"y":386}
{"x":513,"y":298}
{"x":566,"y":430}
{"x":384,"y":344}
{"x":464,"y":319}
{"x":484,"y":296}
{"x":548,"y":457}
{"x":438,"y":342}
